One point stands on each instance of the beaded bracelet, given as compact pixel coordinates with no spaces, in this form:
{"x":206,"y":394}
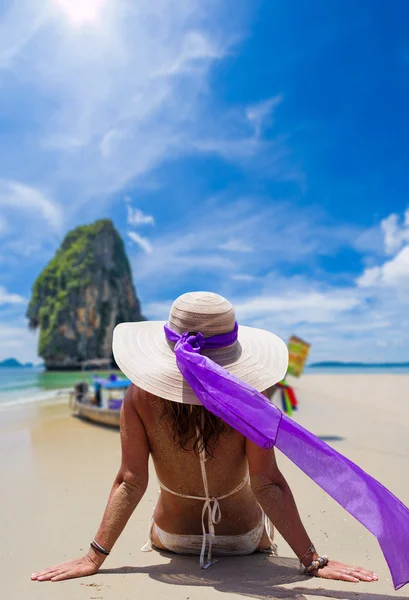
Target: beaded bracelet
{"x":94,"y":544}
{"x":318,"y":563}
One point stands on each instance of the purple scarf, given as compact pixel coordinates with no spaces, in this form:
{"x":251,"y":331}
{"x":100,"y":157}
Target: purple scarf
{"x":252,"y":414}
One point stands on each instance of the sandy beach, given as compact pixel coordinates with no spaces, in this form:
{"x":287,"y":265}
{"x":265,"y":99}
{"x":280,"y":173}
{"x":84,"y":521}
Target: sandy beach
{"x":56,"y":472}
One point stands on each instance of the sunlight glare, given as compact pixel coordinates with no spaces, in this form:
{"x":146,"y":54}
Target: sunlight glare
{"x":81,"y":11}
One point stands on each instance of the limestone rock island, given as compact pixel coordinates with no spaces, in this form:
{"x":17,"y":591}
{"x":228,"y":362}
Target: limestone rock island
{"x":79,"y":297}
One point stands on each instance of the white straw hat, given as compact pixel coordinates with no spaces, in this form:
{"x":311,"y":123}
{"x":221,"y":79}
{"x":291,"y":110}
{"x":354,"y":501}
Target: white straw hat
{"x":146,"y":357}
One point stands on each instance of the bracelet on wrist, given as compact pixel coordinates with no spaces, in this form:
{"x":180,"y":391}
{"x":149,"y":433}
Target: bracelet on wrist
{"x":98,"y":548}
{"x":318,"y":563}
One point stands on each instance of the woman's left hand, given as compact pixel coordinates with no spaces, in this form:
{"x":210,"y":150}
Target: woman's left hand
{"x":342,"y":572}
{"x":79,"y":567}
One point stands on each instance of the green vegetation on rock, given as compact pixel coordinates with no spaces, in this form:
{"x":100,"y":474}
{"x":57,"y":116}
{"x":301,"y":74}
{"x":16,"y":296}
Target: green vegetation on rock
{"x":79,"y":297}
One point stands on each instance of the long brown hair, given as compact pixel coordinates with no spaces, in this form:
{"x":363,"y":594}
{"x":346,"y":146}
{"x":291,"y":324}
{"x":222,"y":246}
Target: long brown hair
{"x":188,"y":420}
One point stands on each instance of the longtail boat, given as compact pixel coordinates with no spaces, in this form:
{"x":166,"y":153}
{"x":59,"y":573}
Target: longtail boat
{"x":99,"y":401}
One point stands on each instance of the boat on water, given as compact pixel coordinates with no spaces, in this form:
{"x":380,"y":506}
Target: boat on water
{"x":99,"y":400}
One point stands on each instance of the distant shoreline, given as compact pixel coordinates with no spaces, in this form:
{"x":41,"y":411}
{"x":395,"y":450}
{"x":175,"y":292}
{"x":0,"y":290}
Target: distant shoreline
{"x":22,"y":367}
{"x":358,"y":365}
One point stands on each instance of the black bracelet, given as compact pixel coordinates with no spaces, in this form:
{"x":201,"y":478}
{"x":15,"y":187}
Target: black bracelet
{"x":94,"y":544}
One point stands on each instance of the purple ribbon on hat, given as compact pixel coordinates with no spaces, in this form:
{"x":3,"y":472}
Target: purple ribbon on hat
{"x":252,"y":414}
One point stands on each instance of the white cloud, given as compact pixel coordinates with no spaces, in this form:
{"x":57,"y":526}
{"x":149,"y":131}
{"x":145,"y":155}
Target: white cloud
{"x":393,"y":273}
{"x":26,"y":199}
{"x":236,"y":143}
{"x":190,"y":249}
{"x":195,"y":46}
{"x":10,"y":298}
{"x":231,"y":149}
{"x":142,"y":242}
{"x":298,"y":306}
{"x":110,"y":142}
{"x":340,"y":323}
{"x":396,"y":234}
{"x":190,"y":254}
{"x":235,"y":245}
{"x":243,"y":277}
{"x":261,"y":113}
{"x":136,"y":217}
{"x":18,"y":342}
{"x":370,"y":277}
{"x":370,"y":242}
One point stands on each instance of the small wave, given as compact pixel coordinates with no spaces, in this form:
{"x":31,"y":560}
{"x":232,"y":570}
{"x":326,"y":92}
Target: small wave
{"x":41,"y":398}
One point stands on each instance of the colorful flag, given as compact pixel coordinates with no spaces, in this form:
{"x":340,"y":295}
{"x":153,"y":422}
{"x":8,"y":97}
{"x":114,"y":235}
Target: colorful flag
{"x":298,"y":351}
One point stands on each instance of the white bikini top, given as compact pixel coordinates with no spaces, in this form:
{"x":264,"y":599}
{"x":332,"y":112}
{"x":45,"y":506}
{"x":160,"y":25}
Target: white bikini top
{"x":211,"y":506}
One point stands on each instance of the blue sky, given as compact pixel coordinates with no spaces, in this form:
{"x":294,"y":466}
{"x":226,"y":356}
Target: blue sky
{"x":254,"y":149}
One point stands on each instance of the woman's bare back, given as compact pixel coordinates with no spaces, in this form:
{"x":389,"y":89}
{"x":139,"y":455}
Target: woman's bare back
{"x":179,"y":470}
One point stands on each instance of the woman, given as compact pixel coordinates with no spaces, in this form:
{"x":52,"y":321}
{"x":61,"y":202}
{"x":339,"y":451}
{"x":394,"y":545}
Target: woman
{"x":220,"y":488}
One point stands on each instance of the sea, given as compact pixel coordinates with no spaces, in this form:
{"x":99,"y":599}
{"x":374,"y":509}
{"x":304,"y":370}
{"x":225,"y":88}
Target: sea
{"x":20,"y":386}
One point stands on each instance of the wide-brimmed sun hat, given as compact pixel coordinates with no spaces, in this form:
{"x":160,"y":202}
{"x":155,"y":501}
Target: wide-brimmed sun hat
{"x":144,"y":354}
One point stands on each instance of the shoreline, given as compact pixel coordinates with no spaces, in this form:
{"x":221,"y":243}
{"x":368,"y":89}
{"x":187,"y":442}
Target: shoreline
{"x":57,"y":397}
{"x":20,"y":386}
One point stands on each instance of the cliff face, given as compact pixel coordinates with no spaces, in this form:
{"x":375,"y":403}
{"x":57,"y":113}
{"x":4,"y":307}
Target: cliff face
{"x":84,"y":291}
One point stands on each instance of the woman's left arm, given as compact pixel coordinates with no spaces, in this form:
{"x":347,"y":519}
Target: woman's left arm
{"x":275,"y":497}
{"x":128,"y":488}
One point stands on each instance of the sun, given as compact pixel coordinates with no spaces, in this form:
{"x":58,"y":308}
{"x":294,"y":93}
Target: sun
{"x":81,"y":11}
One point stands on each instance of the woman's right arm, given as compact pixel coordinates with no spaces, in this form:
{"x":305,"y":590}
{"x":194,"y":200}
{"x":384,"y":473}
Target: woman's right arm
{"x":127,"y":490}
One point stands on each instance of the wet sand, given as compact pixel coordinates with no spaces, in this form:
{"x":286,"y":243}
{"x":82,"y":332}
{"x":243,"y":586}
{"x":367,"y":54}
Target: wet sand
{"x":56,"y":472}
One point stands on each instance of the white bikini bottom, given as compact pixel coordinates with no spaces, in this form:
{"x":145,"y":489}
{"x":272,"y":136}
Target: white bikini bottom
{"x":227,"y":545}
{"x":246,"y":543}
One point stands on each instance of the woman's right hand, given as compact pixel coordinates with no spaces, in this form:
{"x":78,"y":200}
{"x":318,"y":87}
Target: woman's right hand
{"x":79,"y":567}
{"x":343,"y":572}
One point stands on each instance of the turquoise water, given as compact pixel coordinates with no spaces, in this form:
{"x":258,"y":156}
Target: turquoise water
{"x":18,"y":386}
{"x":367,"y":370}
{"x":31,"y":385}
